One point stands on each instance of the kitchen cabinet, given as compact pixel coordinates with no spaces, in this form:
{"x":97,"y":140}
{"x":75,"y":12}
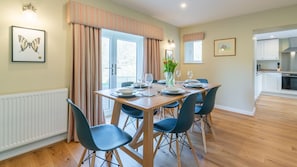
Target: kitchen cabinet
{"x":267,"y":49}
{"x":272,"y":82}
{"x":258,"y":84}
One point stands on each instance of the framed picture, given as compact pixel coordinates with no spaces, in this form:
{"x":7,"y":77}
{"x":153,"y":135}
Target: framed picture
{"x":28,"y":45}
{"x":225,"y":47}
{"x":168,"y":53}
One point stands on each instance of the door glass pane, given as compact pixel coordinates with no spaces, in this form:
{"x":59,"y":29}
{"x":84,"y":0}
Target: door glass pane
{"x":105,"y":66}
{"x":126,"y":61}
{"x":106,"y":73}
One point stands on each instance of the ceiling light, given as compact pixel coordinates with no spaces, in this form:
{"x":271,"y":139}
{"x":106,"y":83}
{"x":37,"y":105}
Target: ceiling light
{"x":183,"y":5}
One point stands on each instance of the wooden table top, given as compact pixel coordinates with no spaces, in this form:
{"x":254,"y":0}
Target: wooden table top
{"x":159,"y":99}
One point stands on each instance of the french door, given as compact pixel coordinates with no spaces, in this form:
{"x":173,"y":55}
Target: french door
{"x":122,"y":61}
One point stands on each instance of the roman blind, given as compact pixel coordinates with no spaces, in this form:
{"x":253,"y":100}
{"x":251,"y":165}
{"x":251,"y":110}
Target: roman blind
{"x":193,"y":36}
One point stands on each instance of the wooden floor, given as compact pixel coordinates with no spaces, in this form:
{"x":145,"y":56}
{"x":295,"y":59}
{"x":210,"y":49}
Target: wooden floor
{"x":268,"y":139}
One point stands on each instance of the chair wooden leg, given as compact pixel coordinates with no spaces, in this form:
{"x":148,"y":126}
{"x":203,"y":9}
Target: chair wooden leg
{"x":192,"y":129}
{"x":82,"y":157}
{"x":177,"y":151}
{"x":203,"y":135}
{"x":108,"y":157}
{"x":125,"y":124}
{"x":158,"y":144}
{"x":93,"y":159}
{"x":170,"y":142}
{"x":210,"y":118}
{"x":118,"y":157}
{"x":161,"y":114}
{"x":211,"y":129}
{"x":192,"y":149}
{"x":137,"y":123}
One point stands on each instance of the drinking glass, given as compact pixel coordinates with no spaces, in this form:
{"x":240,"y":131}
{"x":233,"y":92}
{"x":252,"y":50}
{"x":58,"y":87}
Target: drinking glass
{"x":148,"y":77}
{"x":190,"y":74}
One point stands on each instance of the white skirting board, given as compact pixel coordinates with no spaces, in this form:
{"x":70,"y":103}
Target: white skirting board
{"x":236,"y":110}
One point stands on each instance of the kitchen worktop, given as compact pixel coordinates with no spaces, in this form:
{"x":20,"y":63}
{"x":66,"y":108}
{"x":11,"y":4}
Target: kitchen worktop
{"x":275,"y":71}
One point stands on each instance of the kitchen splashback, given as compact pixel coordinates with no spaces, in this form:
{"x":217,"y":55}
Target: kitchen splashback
{"x":268,"y":64}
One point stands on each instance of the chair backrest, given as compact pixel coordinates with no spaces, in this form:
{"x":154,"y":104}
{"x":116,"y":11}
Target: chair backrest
{"x":186,"y":115}
{"x":125,"y":84}
{"x":125,"y":108}
{"x":82,"y":127}
{"x":202,"y":80}
{"x":209,"y":101}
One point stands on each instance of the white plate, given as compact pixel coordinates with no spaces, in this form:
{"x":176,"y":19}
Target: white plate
{"x":192,"y":81}
{"x":170,"y":92}
{"x":193,"y":85}
{"x":125,"y":91}
{"x":161,"y":81}
{"x":123,"y":95}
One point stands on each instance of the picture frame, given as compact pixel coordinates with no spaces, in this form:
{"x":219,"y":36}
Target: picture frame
{"x":225,"y":47}
{"x":168,"y":53}
{"x":28,"y":45}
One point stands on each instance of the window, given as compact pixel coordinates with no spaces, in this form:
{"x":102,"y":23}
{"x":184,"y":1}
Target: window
{"x":193,"y":51}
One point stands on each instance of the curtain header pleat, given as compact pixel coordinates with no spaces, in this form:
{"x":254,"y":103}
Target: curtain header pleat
{"x":193,"y":36}
{"x":91,"y":16}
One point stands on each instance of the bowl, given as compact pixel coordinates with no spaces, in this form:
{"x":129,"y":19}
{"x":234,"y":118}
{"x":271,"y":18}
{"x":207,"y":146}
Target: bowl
{"x":173,"y":89}
{"x":136,"y":85}
{"x":125,"y":91}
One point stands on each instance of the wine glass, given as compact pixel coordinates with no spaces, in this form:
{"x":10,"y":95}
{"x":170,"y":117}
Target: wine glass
{"x":178,"y":74}
{"x":190,"y":74}
{"x":139,"y":81}
{"x":148,"y":77}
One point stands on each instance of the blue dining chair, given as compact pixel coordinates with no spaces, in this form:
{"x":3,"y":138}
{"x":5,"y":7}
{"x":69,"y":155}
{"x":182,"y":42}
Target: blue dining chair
{"x":202,"y":113}
{"x":130,"y":111}
{"x":200,"y":97}
{"x":104,"y":137}
{"x":169,"y":107}
{"x":179,"y":127}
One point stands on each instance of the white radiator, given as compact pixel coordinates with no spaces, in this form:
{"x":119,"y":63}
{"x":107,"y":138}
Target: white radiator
{"x":29,"y":117}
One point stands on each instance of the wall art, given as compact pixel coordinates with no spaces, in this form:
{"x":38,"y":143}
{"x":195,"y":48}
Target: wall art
{"x":28,"y":45}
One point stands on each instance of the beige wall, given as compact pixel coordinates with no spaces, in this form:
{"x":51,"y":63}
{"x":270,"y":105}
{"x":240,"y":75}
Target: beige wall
{"x":21,"y":77}
{"x":55,"y":72}
{"x":236,"y":73}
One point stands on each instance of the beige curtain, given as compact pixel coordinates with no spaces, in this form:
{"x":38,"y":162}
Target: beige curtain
{"x":86,"y":71}
{"x":152,"y":58}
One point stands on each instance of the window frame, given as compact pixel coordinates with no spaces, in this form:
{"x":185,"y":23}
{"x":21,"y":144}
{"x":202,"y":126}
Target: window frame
{"x":186,"y":54}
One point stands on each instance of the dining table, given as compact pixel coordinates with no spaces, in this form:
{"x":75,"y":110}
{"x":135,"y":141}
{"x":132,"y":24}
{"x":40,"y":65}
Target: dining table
{"x":148,"y":100}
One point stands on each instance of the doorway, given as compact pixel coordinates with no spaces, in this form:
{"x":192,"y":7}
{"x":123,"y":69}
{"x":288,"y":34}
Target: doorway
{"x":122,"y":61}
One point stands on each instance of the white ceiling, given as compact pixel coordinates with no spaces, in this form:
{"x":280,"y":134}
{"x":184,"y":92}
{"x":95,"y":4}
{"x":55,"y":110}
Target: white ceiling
{"x":200,"y":11}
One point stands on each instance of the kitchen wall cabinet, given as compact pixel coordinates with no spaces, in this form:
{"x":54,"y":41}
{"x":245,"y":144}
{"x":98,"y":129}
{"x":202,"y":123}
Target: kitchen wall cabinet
{"x":267,"y":49}
{"x":272,"y":82}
